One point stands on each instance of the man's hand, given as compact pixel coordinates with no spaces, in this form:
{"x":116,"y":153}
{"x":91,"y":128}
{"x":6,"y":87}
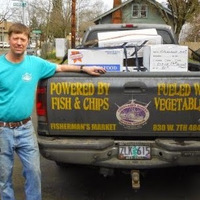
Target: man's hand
{"x":95,"y":70}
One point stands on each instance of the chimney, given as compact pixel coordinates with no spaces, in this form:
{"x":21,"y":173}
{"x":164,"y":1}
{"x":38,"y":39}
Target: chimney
{"x":117,"y":15}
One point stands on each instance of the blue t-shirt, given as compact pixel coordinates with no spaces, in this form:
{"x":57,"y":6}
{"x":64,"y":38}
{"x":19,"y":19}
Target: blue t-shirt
{"x":18,"y":83}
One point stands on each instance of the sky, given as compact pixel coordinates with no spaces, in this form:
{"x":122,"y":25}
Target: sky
{"x":109,"y":3}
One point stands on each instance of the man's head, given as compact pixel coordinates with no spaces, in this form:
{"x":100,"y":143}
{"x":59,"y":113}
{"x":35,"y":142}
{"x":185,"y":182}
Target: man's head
{"x":18,"y":28}
{"x":19,"y":36}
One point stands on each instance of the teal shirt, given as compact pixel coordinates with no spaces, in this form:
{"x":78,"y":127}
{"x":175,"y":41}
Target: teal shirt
{"x":18,"y":83}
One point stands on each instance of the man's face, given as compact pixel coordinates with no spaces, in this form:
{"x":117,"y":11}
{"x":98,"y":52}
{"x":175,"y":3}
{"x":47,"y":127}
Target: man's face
{"x":18,"y":43}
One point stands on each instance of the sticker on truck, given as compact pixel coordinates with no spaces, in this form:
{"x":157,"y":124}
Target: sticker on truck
{"x":133,"y":115}
{"x":103,"y":107}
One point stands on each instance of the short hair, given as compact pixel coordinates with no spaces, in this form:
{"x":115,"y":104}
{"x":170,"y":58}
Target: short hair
{"x":19,"y":28}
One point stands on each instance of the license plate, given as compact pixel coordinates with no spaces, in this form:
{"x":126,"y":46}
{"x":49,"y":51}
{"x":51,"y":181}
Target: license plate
{"x":134,"y":152}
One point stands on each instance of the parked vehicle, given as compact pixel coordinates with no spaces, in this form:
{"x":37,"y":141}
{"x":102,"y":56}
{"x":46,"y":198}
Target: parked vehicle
{"x":30,"y":50}
{"x":4,"y":45}
{"x":130,"y":120}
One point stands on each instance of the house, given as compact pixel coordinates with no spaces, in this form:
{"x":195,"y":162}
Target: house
{"x":4,"y":26}
{"x":138,"y":11}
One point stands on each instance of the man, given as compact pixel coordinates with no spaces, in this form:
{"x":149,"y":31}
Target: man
{"x":19,"y":75}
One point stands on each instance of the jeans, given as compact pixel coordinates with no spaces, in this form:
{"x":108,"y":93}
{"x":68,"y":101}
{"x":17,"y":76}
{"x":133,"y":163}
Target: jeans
{"x":23,"y":141}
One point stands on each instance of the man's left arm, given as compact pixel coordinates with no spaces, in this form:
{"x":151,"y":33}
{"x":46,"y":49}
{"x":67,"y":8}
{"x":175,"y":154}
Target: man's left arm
{"x":92,"y":70}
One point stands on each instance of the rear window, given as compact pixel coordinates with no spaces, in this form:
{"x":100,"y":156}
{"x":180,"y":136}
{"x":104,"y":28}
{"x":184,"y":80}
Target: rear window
{"x":167,"y":37}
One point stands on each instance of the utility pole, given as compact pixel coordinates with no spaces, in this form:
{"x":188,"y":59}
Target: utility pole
{"x":23,"y":11}
{"x":73,"y":24}
{"x":77,"y":20}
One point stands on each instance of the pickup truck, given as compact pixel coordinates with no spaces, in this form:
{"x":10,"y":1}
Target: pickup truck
{"x":130,"y":121}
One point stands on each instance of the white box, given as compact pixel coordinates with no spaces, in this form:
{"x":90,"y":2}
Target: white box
{"x":110,"y":59}
{"x":60,"y":47}
{"x":166,"y":58}
{"x":131,"y":38}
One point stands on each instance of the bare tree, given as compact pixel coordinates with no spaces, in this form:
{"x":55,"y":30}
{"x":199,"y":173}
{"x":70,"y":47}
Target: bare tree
{"x":7,"y":11}
{"x":182,"y":11}
{"x":39,"y":17}
{"x":87,"y":11}
{"x":53,"y":17}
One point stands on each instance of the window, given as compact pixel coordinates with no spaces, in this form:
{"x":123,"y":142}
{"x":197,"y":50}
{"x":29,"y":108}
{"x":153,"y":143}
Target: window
{"x":140,"y":11}
{"x":135,"y":10}
{"x":143,"y":11}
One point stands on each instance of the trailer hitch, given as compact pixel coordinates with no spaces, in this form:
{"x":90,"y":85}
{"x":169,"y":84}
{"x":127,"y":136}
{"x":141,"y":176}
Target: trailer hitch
{"x":135,"y":175}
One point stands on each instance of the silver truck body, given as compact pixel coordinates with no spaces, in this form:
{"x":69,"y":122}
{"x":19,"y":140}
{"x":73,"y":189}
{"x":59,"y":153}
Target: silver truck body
{"x":121,"y":120}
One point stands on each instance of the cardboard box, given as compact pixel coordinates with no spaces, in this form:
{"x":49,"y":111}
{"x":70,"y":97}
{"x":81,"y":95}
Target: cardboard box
{"x":110,"y":59}
{"x":166,"y":58}
{"x":131,"y":38}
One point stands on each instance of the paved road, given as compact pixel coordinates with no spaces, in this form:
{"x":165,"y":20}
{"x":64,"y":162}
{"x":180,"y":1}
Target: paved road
{"x":77,"y":183}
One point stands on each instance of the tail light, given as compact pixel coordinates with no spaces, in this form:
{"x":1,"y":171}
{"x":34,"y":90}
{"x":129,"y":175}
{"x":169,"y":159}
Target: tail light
{"x":41,"y":107}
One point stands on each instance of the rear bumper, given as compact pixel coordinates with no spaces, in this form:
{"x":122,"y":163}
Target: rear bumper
{"x":104,"y":152}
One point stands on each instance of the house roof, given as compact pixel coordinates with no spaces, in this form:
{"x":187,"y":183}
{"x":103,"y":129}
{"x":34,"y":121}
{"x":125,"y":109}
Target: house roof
{"x":154,"y":2}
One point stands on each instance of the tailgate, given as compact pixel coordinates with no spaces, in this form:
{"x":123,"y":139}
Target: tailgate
{"x":124,"y":104}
